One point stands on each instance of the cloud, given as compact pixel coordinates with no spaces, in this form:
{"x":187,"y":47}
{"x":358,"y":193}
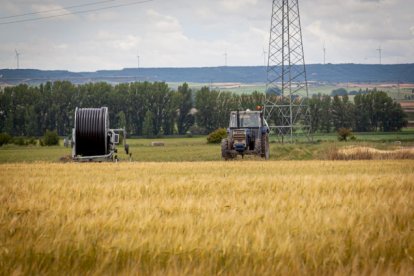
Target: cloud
{"x":10,"y":8}
{"x":236,"y":5}
{"x":163,"y":23}
{"x":47,"y":10}
{"x":130,"y":42}
{"x":115,"y":41}
{"x":102,"y":16}
{"x":196,"y":33}
{"x":61,"y":46}
{"x":353,"y":29}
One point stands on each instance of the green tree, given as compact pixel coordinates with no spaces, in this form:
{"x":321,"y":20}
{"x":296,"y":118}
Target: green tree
{"x":339,"y":92}
{"x":213,"y":108}
{"x":206,"y":105}
{"x":9,"y":123}
{"x":315,"y":107}
{"x":184,"y":102}
{"x":148,"y":128}
{"x":121,"y":119}
{"x":251,"y":101}
{"x":31,"y":121}
{"x":397,"y":118}
{"x":342,"y":112}
{"x":349,"y":113}
{"x":362,"y":113}
{"x":160,"y":104}
{"x":375,"y":110}
{"x":325,"y":114}
{"x":137,"y":106}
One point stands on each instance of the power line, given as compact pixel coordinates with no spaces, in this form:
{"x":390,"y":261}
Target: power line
{"x":58,"y":9}
{"x":77,"y":12}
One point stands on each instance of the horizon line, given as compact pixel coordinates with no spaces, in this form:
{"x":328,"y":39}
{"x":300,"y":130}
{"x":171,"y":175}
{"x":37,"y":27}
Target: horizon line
{"x":200,"y":67}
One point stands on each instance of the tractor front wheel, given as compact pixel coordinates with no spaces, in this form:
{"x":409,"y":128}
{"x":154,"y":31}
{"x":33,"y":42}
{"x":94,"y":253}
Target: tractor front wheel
{"x":258,"y":147}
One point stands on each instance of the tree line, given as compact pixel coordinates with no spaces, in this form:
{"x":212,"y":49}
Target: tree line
{"x":154,"y":109}
{"x":369,"y":111}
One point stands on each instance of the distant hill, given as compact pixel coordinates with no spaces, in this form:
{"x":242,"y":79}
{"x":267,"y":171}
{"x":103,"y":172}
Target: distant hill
{"x":332,"y":73}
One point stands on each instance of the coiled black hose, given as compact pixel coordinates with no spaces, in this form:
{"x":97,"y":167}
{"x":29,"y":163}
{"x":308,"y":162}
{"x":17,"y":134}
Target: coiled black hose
{"x":91,"y":131}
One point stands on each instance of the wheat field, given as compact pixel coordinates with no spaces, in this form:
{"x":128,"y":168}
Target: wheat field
{"x":234,"y":218}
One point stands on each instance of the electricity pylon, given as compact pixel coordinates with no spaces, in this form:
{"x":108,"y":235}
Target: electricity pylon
{"x":286,"y":102}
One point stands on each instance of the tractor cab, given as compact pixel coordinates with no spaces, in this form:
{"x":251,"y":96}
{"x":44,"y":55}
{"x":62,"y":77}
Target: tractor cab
{"x":246,"y":119}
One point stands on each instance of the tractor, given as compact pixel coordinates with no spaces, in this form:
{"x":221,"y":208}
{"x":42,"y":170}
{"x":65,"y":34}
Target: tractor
{"x":248,"y":134}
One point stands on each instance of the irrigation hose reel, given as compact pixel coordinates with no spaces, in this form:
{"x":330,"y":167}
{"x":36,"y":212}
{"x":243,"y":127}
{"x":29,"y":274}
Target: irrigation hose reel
{"x":92,"y":139}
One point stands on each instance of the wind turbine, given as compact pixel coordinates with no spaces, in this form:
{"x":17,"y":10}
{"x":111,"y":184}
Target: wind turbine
{"x":264,"y":56}
{"x":380,"y":54}
{"x":138,"y":59}
{"x":17,"y":57}
{"x":137,"y":71}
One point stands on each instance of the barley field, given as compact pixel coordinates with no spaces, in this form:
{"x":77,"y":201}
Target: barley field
{"x":233,"y":218}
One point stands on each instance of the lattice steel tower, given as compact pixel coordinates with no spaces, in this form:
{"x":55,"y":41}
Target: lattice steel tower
{"x":286,"y":102}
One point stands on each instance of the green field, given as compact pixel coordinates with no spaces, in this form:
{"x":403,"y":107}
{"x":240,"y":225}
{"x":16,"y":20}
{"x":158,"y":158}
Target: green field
{"x":197,"y":149}
{"x":242,"y":88}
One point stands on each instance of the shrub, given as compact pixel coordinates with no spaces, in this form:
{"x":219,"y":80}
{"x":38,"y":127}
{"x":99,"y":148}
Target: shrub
{"x":216,"y":136}
{"x":339,"y":92}
{"x":4,"y":139}
{"x":19,"y":141}
{"x":344,"y":134}
{"x":50,"y":138}
{"x":31,"y":141}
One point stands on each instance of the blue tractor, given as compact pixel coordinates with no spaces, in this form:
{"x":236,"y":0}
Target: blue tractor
{"x":248,"y":134}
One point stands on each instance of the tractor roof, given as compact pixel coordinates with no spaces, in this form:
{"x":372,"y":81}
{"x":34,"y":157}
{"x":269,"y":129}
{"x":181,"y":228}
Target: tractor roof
{"x":247,"y":112}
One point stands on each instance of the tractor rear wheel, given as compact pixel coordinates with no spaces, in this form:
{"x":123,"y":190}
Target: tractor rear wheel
{"x":224,"y":149}
{"x":265,"y":146}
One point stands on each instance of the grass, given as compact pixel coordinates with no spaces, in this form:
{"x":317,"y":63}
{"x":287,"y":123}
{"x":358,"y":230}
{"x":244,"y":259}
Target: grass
{"x":406,"y":135}
{"x":367,"y":153}
{"x":175,"y":149}
{"x":237,"y":218}
{"x":12,"y":153}
{"x":196,"y":149}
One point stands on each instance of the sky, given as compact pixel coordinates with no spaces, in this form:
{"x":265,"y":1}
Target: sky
{"x":196,"y":33}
